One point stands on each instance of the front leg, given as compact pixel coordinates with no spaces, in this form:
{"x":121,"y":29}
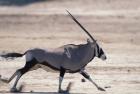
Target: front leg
{"x":62,"y":73}
{"x":82,"y":72}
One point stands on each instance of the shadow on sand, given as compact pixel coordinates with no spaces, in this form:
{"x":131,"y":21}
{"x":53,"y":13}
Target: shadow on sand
{"x":19,"y":2}
{"x":21,"y":90}
{"x":45,"y":93}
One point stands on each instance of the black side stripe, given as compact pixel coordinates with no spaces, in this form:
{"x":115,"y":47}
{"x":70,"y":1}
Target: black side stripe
{"x":47,"y":64}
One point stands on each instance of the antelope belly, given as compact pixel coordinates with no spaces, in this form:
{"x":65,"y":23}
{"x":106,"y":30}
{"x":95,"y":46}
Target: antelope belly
{"x":47,"y":68}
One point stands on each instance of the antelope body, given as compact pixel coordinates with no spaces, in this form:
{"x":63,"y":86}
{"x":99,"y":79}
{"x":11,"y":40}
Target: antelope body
{"x":68,"y":58}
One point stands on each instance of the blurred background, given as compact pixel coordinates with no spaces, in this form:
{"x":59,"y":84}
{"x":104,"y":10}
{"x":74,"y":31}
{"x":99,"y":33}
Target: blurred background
{"x":27,"y":24}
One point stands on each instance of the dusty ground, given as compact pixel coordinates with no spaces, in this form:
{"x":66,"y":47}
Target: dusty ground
{"x":45,"y":24}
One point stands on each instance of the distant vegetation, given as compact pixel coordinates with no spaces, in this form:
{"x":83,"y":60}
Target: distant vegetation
{"x":19,"y":2}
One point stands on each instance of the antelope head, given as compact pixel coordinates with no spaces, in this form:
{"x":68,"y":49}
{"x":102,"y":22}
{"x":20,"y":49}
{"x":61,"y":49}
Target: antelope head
{"x":98,"y":50}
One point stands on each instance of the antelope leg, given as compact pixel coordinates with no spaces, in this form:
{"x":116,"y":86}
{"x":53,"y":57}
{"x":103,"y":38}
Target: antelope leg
{"x":87,"y":76}
{"x":13,"y":89}
{"x":20,"y":72}
{"x":62,"y":73}
{"x":11,"y":78}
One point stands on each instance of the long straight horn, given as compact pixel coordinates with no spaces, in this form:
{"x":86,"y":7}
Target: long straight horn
{"x":81,"y":26}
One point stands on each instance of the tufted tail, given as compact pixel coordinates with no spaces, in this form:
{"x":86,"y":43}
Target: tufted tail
{"x":11,"y":55}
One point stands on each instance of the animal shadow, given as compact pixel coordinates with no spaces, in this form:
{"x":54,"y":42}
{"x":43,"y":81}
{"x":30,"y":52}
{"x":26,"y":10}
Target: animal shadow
{"x":20,"y":90}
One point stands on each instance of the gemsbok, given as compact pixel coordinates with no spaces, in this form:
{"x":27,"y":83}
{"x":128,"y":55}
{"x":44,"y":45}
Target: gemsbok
{"x":68,"y":58}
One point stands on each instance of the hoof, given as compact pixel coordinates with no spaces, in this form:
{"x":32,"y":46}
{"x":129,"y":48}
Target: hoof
{"x":101,"y":89}
{"x":5,"y":80}
{"x":63,"y":91}
{"x":13,"y":90}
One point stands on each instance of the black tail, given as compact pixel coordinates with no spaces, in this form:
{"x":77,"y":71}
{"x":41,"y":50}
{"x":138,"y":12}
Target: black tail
{"x":11,"y":55}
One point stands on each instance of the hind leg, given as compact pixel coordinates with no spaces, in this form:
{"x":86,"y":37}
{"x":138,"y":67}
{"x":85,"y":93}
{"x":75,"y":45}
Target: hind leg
{"x":11,"y":78}
{"x":22,"y":71}
{"x":19,"y":73}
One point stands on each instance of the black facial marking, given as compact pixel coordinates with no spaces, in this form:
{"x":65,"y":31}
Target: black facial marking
{"x":99,"y":51}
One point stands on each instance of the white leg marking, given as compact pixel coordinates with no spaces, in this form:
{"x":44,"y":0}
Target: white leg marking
{"x":60,"y":82}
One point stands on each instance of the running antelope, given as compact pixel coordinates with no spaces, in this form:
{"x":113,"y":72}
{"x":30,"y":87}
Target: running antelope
{"x":68,"y":58}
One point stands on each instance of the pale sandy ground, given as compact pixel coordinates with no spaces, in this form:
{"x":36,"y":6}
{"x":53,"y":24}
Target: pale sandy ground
{"x":114,"y":23}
